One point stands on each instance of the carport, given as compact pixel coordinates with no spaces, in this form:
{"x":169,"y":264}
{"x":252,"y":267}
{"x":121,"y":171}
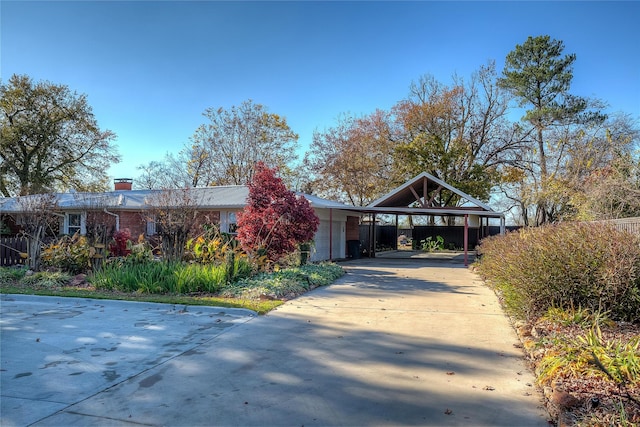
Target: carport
{"x":426,"y":195}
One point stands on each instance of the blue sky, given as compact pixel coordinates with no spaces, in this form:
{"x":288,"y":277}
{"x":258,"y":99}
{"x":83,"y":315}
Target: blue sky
{"x":150,"y":68}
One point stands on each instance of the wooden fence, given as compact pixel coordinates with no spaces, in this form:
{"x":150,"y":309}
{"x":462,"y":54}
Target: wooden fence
{"x":10,"y":249}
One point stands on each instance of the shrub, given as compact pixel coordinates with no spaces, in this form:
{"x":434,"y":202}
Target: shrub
{"x":70,"y":253}
{"x":275,"y":220}
{"x":285,"y":283}
{"x":12,"y":274}
{"x":46,"y":279}
{"x":430,"y":245}
{"x":588,"y":265}
{"x":212,"y":246}
{"x":121,"y":243}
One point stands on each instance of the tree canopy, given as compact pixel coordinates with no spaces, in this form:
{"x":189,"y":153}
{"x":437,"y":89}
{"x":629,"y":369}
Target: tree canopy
{"x":50,"y":140}
{"x":225,"y":150}
{"x":352,"y":160}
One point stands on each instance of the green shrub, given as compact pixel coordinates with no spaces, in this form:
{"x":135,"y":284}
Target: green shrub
{"x":430,"y":245}
{"x":588,"y":265}
{"x":11,"y":274}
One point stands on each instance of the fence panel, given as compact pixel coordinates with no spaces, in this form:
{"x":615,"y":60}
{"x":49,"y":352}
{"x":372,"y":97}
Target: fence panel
{"x":632,"y":225}
{"x":10,"y":249}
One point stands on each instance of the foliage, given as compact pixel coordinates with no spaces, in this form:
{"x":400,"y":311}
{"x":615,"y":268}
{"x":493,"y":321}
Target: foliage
{"x":588,"y":265}
{"x":37,"y":220}
{"x":147,"y":276}
{"x":46,"y":279}
{"x":12,"y":274}
{"x":430,"y":245}
{"x":50,"y":140}
{"x":590,"y":355}
{"x":121,"y":244}
{"x":212,"y":246}
{"x":285,"y":283}
{"x":175,"y":213}
{"x":459,"y":134}
{"x":69,"y":253}
{"x":275,"y":220}
{"x":576,"y":316}
{"x":225,"y":150}
{"x":539,"y":76}
{"x":352,"y":160}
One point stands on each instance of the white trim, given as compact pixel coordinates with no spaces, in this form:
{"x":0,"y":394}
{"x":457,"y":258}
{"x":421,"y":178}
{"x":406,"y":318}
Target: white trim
{"x":435,"y":180}
{"x":83,"y":223}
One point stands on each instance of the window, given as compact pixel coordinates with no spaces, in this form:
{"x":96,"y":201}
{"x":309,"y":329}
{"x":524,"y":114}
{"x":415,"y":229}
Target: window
{"x":75,"y":223}
{"x":232,"y":226}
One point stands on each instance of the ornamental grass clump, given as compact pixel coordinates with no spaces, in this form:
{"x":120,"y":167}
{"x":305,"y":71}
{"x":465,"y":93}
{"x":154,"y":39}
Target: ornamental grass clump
{"x":588,"y":265}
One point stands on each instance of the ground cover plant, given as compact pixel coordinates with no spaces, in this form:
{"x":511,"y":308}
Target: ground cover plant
{"x":572,"y":291}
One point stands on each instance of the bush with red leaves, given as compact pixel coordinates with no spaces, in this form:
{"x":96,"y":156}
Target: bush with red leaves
{"x":275,"y":220}
{"x":120,"y":245}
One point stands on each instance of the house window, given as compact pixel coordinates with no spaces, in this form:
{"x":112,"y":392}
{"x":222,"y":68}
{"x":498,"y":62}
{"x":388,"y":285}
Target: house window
{"x":153,"y":227}
{"x":75,"y":223}
{"x":232,"y":225}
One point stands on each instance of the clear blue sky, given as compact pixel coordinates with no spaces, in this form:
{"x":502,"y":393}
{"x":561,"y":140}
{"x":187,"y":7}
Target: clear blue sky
{"x":150,"y":68}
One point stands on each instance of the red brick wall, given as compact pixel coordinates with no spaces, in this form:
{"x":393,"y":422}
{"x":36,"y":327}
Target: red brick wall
{"x":134,"y":221}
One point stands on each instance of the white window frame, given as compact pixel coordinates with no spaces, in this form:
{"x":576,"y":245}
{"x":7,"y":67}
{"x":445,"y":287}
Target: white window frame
{"x":67,"y":223}
{"x":227,"y":219}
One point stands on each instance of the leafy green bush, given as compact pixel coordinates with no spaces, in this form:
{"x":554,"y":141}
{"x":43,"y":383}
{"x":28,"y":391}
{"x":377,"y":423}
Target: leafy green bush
{"x":588,"y":265}
{"x":11,"y":274}
{"x":430,"y":245}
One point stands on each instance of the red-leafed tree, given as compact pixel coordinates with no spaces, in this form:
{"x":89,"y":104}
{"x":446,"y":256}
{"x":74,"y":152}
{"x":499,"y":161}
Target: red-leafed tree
{"x":276,"y":220}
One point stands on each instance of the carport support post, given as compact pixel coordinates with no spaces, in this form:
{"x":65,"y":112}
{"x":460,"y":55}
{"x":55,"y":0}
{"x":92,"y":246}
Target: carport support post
{"x":330,"y":234}
{"x":466,"y":239}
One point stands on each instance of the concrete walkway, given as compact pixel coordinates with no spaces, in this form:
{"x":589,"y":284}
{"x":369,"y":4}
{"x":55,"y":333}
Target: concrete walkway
{"x":394,"y":342}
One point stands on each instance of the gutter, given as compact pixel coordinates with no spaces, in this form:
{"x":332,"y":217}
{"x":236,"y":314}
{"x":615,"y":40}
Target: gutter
{"x":117,"y":218}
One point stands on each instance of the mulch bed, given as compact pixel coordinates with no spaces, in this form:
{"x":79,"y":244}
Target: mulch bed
{"x":593,"y":400}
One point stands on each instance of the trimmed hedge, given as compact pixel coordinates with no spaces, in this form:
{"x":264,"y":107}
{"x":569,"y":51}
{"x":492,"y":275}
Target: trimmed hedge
{"x":566,"y":265}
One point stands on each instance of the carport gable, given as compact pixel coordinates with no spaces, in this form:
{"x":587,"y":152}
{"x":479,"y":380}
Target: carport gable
{"x":424,"y":195}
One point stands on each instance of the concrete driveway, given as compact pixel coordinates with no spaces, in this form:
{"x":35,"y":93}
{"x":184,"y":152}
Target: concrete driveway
{"x":394,"y":342}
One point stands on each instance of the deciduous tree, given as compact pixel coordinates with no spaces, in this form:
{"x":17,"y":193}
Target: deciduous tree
{"x":50,"y":140}
{"x":275,"y":220}
{"x":225,"y":150}
{"x":352,"y":160}
{"x":458,"y":133}
{"x":175,"y":214}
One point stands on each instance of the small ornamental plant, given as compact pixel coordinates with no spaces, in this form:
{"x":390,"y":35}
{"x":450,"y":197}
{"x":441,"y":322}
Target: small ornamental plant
{"x":276,"y":220}
{"x":121,"y":244}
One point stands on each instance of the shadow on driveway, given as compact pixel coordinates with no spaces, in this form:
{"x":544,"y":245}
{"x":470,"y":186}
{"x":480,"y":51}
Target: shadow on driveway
{"x":388,"y":344}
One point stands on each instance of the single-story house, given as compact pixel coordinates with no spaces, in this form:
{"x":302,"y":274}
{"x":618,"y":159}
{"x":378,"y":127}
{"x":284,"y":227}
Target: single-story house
{"x":125,"y":208}
{"x":423,"y":195}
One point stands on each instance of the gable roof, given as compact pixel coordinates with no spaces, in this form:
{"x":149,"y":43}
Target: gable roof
{"x":421,"y":187}
{"x":415,"y":195}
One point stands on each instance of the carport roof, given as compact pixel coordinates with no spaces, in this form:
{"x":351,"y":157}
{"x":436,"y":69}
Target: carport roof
{"x":416,"y":196}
